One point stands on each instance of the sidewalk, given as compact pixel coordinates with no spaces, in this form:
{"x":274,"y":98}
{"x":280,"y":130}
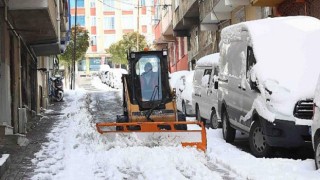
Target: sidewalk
{"x":19,"y":162}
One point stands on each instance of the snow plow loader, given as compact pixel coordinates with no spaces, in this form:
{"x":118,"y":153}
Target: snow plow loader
{"x":149,"y":106}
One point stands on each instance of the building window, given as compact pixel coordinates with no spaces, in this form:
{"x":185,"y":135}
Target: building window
{"x":108,"y":40}
{"x":143,"y":2}
{"x":108,"y":5}
{"x":127,"y":22}
{"x":93,"y":21}
{"x":80,"y":20}
{"x":93,"y":40}
{"x":92,"y":4}
{"x":82,"y":65}
{"x":95,"y":64}
{"x":108,"y":23}
{"x":80,"y":3}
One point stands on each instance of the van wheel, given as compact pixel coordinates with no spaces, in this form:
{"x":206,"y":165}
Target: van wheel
{"x":229,"y":133}
{"x":317,"y":152}
{"x":214,"y":124}
{"x":257,"y":140}
{"x":184,"y":108}
{"x":198,"y":116}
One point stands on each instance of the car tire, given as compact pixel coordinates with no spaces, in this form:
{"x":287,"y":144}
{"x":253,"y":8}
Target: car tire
{"x":184,"y":108}
{"x":317,"y":152}
{"x":257,"y":140}
{"x":198,"y":115}
{"x":214,"y":124}
{"x":228,"y":132}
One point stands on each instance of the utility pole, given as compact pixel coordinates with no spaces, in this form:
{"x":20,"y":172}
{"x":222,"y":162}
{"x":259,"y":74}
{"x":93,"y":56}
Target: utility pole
{"x":73,"y":79}
{"x":138,"y":19}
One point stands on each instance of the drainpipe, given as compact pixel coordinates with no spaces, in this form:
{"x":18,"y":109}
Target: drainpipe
{"x":58,"y":21}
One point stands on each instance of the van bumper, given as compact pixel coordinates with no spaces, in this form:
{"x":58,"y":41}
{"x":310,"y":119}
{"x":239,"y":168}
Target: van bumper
{"x":282,"y":133}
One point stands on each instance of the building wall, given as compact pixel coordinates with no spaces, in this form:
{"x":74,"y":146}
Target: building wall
{"x":5,"y":99}
{"x":293,"y":8}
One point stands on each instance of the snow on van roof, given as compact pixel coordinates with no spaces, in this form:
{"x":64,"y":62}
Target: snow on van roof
{"x":208,"y":60}
{"x":286,"y":49}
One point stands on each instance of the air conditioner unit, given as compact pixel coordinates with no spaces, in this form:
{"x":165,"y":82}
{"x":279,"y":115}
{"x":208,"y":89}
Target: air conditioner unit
{"x":22,"y":120}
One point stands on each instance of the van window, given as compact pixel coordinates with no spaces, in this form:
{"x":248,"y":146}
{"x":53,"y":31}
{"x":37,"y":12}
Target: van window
{"x":206,"y":77}
{"x":251,"y":60}
{"x":198,"y":73}
{"x":235,"y":55}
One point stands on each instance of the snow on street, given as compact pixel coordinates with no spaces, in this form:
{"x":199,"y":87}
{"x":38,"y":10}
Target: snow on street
{"x":77,"y":151}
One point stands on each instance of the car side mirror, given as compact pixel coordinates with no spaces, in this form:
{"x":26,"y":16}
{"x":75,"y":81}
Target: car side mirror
{"x":254,"y":86}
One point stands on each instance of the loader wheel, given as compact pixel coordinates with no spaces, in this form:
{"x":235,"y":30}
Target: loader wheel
{"x":181,"y":118}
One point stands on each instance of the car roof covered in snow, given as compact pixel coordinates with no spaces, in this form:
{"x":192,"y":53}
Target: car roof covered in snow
{"x":286,"y":49}
{"x":208,"y":60}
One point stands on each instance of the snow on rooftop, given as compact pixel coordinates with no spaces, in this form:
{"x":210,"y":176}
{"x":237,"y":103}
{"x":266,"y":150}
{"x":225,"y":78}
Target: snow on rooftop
{"x":286,"y":50}
{"x":208,"y":60}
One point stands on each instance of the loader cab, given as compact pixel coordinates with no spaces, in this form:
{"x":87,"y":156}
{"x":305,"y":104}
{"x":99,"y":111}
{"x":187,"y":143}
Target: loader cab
{"x":150,"y":86}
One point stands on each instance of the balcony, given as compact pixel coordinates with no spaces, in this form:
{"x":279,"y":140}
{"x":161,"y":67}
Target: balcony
{"x":36,"y":21}
{"x":221,"y":11}
{"x":185,"y":17}
{"x":268,"y":3}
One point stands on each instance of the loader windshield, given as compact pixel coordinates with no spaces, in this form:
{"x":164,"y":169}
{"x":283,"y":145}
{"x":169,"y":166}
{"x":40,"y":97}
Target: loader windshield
{"x":148,"y":70}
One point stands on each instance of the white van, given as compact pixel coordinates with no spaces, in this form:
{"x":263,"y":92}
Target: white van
{"x":268,"y":74}
{"x":316,"y":126}
{"x":205,"y":96}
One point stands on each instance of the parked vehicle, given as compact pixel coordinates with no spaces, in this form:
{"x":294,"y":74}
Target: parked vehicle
{"x":184,"y":94}
{"x":268,"y":74}
{"x":114,"y":76}
{"x":205,"y":96}
{"x":104,"y":77}
{"x":56,"y":88}
{"x":316,"y":126}
{"x":176,"y":76}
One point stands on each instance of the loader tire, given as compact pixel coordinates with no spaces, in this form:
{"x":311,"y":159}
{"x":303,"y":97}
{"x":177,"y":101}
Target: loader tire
{"x":121,"y":119}
{"x":181,"y":118}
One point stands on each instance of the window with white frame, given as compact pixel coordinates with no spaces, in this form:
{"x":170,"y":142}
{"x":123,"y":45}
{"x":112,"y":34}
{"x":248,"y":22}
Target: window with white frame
{"x":127,"y":22}
{"x":108,"y":23}
{"x":93,"y":40}
{"x":92,"y":4}
{"x":108,"y":40}
{"x":93,"y":21}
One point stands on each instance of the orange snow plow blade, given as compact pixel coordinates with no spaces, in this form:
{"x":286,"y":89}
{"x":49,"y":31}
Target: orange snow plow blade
{"x":192,"y":137}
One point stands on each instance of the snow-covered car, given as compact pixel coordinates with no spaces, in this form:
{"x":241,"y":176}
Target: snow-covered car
{"x":205,"y":96}
{"x":184,"y":94}
{"x":268,"y":74}
{"x":104,"y":76}
{"x":115,"y":77}
{"x":176,"y":76}
{"x":316,"y":126}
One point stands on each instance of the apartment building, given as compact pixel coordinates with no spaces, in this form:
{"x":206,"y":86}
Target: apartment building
{"x":107,"y":21}
{"x":32,"y":33}
{"x":199,"y":23}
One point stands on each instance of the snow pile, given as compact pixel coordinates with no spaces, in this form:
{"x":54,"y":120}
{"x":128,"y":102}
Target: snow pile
{"x":209,"y":60}
{"x":77,"y":151}
{"x":250,"y":167}
{"x":175,"y":77}
{"x":188,"y":89}
{"x":96,"y":82}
